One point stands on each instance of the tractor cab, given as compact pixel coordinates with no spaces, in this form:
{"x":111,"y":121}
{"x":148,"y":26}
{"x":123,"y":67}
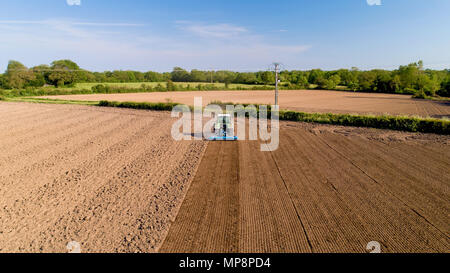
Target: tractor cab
{"x":223,"y":128}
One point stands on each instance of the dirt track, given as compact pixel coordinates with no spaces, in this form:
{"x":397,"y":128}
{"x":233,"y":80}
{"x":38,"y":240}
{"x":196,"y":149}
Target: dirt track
{"x":307,"y":101}
{"x":327,"y":189}
{"x":110,"y":179}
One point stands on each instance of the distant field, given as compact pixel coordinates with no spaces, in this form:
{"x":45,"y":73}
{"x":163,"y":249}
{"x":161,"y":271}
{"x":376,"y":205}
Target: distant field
{"x":154,"y":84}
{"x":317,"y":101}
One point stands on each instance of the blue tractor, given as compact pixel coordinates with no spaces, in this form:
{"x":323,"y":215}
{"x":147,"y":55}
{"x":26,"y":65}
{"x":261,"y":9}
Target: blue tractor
{"x":223,"y":129}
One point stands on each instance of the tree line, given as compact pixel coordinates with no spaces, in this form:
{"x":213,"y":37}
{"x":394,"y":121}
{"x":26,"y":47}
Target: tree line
{"x":407,"y":79}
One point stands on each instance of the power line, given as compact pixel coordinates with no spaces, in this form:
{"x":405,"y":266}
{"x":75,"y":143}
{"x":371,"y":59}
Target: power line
{"x":277,"y":68}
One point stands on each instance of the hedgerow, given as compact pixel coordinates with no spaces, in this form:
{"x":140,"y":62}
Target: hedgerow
{"x":400,"y":123}
{"x":159,"y":106}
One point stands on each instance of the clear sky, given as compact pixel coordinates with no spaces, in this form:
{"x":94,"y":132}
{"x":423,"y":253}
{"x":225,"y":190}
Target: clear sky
{"x":242,"y":35}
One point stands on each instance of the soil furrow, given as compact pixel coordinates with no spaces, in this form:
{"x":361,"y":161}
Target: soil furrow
{"x":93,"y":179}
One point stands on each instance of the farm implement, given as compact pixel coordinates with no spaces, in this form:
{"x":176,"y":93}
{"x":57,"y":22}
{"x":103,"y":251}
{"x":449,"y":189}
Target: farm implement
{"x":223,"y":129}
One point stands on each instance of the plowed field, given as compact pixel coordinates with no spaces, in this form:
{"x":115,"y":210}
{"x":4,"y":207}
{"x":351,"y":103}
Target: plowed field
{"x":110,"y":180}
{"x":114,"y":180}
{"x":326,"y":189}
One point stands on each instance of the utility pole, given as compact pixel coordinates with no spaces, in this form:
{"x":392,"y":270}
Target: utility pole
{"x":277,"y":70}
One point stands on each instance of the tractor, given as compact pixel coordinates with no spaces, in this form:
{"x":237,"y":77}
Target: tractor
{"x":223,"y":129}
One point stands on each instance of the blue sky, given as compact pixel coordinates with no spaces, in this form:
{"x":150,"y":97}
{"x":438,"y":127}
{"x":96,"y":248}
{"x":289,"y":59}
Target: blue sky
{"x":244,"y":35}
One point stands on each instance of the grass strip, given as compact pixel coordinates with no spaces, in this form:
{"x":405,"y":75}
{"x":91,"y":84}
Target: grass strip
{"x":50,"y":101}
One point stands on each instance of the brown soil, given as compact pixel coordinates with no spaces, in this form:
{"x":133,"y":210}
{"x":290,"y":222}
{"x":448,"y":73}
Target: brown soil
{"x":306,"y":101}
{"x":114,"y":180}
{"x":110,"y":179}
{"x":326,"y":189}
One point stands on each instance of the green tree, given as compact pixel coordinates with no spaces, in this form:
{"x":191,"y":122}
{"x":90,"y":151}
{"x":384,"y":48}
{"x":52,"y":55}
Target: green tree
{"x":267,"y":77}
{"x":130,"y":76}
{"x":220,"y":76}
{"x":354,"y":86}
{"x":316,"y":76}
{"x":41,"y":73}
{"x":347,"y":76}
{"x":199,"y":76}
{"x":138,"y":76}
{"x":366,"y":80}
{"x":336,"y":79}
{"x":121,"y":76}
{"x":444,"y":91}
{"x":180,"y":75}
{"x":246,"y":78}
{"x":18,"y":76}
{"x":63,"y":72}
{"x":408,"y":75}
{"x":230,"y":77}
{"x":382,"y":81}
{"x":153,"y":77}
{"x":395,"y":83}
{"x":330,"y":83}
{"x":302,"y":82}
{"x":426,"y":84}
